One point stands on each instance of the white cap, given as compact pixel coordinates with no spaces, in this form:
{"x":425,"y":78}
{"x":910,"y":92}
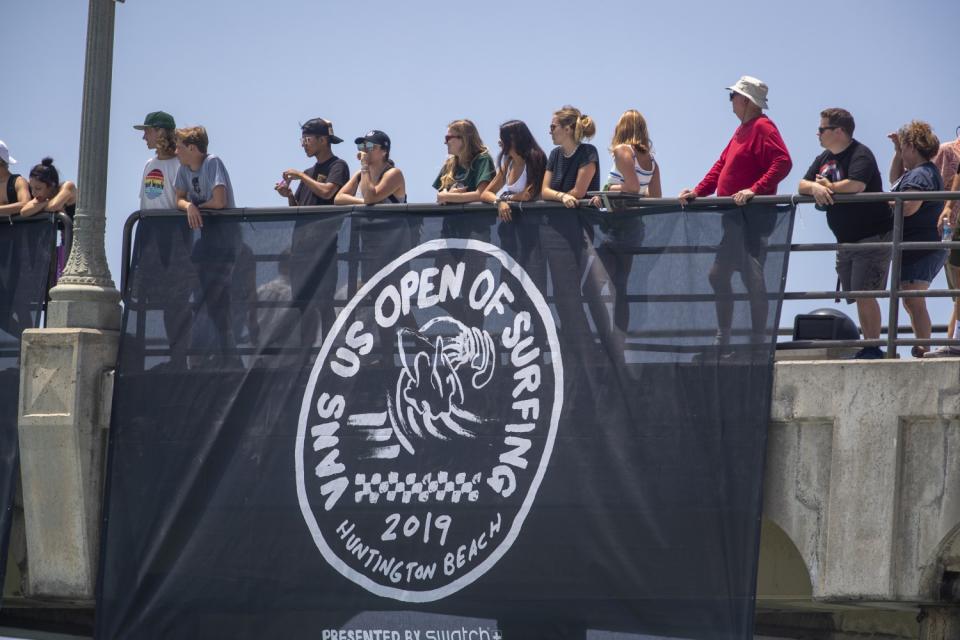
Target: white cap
{"x":752,"y":89}
{"x":5,"y":154}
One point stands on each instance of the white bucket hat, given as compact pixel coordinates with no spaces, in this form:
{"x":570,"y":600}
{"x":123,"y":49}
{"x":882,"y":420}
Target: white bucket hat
{"x":752,"y":89}
{"x":5,"y":154}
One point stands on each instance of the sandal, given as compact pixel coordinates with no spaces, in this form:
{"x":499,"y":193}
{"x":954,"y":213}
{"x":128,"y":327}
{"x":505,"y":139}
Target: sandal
{"x":917,"y":351}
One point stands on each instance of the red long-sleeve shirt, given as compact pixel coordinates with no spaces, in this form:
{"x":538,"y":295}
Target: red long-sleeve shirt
{"x":756,"y":158}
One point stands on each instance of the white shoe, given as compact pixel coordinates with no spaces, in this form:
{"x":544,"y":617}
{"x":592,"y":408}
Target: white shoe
{"x":943,"y":352}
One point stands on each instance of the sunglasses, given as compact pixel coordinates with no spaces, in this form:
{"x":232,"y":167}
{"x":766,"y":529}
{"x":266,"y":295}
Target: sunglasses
{"x":366,"y":146}
{"x":820,"y":130}
{"x":449,"y":138}
{"x":732,"y":94}
{"x":553,"y":127}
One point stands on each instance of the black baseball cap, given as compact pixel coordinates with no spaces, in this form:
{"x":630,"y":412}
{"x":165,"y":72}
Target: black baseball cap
{"x":320,"y":127}
{"x":376,"y":137}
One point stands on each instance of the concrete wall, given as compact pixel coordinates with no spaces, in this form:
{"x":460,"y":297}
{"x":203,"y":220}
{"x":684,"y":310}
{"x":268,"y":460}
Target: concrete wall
{"x":863,"y":477}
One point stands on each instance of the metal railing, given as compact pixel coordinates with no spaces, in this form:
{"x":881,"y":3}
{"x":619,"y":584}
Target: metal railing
{"x":893,"y":292}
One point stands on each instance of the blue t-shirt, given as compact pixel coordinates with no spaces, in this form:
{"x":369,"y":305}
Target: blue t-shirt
{"x":921,"y":226}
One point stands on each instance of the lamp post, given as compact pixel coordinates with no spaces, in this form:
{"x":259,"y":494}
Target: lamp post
{"x":66,"y":371}
{"x":85,"y":296}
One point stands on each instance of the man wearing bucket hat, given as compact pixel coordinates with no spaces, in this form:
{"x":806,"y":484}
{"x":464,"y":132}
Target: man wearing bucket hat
{"x":14,"y":189}
{"x":756,"y":158}
{"x":753,"y":163}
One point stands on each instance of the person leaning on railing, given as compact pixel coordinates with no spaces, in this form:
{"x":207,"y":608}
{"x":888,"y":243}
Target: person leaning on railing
{"x":203,"y":183}
{"x":911,"y":170}
{"x":463,"y":177}
{"x":634,"y":171}
{"x":378,"y":179}
{"x":573,"y":167}
{"x":753,"y":163}
{"x":519,"y":178}
{"x":950,"y":211}
{"x":14,"y":189}
{"x":521,"y":167}
{"x":14,"y":193}
{"x":53,"y":196}
{"x":846,"y":167}
{"x":468,"y":168}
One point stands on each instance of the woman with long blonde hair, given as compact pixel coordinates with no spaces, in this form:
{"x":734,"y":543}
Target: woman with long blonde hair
{"x":634,"y":168}
{"x":635,"y":171}
{"x":468,"y":169}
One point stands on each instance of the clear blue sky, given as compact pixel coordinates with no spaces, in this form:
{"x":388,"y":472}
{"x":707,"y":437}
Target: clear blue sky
{"x":251,"y":71}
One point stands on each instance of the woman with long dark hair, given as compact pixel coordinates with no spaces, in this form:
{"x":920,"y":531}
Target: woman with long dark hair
{"x":520,"y":168}
{"x":51,"y":195}
{"x":48,"y":193}
{"x":521,"y":165}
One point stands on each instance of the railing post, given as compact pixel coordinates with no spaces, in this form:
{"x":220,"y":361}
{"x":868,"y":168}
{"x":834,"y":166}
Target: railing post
{"x":894,"y":314}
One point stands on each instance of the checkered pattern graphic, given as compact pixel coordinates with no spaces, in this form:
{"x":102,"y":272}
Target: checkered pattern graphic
{"x":442,"y":487}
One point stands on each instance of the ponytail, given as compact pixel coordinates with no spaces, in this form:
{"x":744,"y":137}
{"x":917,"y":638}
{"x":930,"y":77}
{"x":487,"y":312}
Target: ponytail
{"x":585,"y":129}
{"x":582,"y":125}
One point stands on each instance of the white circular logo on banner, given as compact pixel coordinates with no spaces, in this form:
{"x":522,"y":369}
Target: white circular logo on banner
{"x":429,"y":419}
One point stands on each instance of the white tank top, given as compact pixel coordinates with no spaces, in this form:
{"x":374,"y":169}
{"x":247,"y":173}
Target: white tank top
{"x":515,"y":187}
{"x":643,"y":176}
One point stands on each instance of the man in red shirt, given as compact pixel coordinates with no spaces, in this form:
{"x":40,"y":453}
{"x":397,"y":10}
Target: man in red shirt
{"x":753,"y":163}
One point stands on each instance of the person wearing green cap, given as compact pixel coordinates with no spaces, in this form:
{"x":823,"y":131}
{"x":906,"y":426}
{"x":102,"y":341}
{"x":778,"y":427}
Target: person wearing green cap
{"x":160,"y":172}
{"x":158,"y":191}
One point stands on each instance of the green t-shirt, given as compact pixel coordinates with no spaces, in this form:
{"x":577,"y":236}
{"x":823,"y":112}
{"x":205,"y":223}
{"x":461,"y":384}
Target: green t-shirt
{"x":481,"y":170}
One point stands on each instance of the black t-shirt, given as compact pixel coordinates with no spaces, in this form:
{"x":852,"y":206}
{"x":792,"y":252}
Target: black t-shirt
{"x":564,"y":170}
{"x":853,"y":222}
{"x":921,"y":226}
{"x":335,"y":170}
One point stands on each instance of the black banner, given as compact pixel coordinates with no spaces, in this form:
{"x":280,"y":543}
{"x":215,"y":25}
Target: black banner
{"x":395,"y":424}
{"x":26,"y":247}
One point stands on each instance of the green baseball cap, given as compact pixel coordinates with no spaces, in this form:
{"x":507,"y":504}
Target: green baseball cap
{"x":158,"y":120}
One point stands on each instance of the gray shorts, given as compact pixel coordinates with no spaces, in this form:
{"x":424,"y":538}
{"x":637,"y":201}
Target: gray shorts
{"x":864,"y":270}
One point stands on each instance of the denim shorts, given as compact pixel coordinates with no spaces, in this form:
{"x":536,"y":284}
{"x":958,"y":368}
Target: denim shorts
{"x":923,"y":269}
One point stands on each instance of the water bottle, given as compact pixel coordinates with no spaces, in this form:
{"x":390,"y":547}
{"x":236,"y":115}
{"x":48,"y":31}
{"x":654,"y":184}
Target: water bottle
{"x":947,"y":230}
